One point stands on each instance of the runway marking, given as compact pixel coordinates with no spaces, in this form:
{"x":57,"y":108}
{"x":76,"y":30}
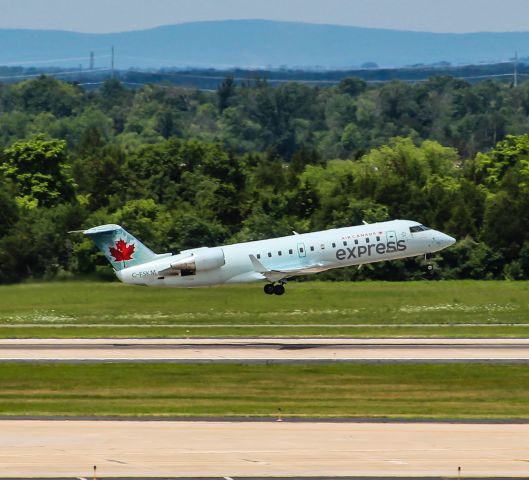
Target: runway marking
{"x":258,"y":462}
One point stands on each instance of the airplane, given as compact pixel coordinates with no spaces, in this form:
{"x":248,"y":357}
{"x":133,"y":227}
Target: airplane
{"x":274,"y":260}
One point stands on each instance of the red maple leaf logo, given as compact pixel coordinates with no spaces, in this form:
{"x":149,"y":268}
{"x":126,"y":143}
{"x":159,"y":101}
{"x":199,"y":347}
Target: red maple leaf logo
{"x":122,"y":251}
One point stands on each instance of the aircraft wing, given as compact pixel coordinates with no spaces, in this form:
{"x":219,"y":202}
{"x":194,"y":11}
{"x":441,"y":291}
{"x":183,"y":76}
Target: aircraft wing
{"x":278,"y":273}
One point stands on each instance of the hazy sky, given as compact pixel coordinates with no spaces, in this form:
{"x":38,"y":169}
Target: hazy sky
{"x":119,"y":15}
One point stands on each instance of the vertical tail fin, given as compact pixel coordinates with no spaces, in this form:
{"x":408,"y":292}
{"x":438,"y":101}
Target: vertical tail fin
{"x":120,"y":247}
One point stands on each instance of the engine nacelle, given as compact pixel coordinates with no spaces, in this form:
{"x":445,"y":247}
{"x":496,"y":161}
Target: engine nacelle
{"x":209,"y":259}
{"x":200,"y":260}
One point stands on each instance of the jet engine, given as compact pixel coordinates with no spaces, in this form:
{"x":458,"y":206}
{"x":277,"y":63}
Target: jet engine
{"x":199,"y":260}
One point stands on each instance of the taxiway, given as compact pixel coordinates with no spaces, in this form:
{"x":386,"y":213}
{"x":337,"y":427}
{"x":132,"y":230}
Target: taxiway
{"x":30,"y":448}
{"x":278,"y":350}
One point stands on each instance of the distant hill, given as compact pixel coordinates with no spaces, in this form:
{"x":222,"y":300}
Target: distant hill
{"x":257,"y":43}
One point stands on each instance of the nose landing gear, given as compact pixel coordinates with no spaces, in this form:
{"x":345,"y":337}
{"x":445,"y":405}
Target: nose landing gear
{"x":429,"y":264}
{"x":272,"y":288}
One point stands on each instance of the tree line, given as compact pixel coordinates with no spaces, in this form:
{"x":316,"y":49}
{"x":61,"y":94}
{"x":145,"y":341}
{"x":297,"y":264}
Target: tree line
{"x":182,"y":168}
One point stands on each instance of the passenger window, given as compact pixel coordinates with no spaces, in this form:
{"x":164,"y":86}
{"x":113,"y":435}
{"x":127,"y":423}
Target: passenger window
{"x":258,"y":256}
{"x":269,"y":254}
{"x":345,"y":244}
{"x":311,"y":249}
{"x":334,"y":245}
{"x":291,"y":251}
{"x":356,"y":242}
{"x":279,"y":253}
{"x":301,"y":250}
{"x":378,"y":239}
{"x":367,"y":240}
{"x":323,"y":246}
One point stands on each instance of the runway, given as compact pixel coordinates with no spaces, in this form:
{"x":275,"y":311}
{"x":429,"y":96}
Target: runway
{"x":271,"y":350}
{"x":127,"y":448}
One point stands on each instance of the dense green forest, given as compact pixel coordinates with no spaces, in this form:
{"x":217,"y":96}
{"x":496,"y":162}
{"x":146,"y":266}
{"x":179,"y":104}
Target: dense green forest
{"x":183,"y":168}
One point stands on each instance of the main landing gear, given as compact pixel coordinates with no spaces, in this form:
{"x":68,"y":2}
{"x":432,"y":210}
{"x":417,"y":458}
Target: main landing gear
{"x":277,"y":289}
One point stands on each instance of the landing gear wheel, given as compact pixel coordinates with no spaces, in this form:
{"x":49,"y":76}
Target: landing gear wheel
{"x":429,"y":266}
{"x":279,"y":289}
{"x":269,"y":289}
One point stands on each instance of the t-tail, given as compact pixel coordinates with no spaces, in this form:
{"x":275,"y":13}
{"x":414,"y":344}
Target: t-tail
{"x":120,"y":247}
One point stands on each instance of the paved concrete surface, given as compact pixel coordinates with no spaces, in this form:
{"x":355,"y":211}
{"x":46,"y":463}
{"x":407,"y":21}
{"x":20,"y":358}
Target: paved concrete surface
{"x":267,"y":478}
{"x":264,"y":341}
{"x":266,"y":350}
{"x":70,"y":448}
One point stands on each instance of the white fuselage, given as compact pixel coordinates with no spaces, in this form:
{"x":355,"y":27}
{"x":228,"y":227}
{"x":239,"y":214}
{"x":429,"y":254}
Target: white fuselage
{"x":318,"y":251}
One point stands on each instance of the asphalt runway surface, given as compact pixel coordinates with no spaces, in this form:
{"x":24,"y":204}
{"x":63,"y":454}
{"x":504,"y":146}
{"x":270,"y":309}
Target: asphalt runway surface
{"x":272,"y":350}
{"x":51,"y":448}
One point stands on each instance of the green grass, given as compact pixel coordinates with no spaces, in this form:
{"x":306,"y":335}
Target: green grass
{"x":379,"y":309}
{"x":340,"y":390}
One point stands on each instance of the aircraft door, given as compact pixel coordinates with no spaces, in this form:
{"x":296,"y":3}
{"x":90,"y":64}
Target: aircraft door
{"x":391,"y":236}
{"x":302,"y":252}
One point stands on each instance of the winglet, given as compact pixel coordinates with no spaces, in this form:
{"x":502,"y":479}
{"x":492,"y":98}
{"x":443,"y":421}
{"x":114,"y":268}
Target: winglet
{"x":257,"y":265}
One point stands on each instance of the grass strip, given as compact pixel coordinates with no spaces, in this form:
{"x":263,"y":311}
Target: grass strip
{"x":458,"y":391}
{"x":95,"y":309}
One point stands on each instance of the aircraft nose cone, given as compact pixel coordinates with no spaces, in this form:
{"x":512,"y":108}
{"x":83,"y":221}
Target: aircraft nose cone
{"x":444,"y":240}
{"x":451,"y":240}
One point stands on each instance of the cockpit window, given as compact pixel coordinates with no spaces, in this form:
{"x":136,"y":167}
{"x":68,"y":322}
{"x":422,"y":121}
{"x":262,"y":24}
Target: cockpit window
{"x":418,"y":228}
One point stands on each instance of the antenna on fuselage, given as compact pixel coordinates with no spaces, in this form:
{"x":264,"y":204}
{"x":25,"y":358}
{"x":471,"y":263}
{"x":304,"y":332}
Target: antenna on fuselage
{"x":365,"y":223}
